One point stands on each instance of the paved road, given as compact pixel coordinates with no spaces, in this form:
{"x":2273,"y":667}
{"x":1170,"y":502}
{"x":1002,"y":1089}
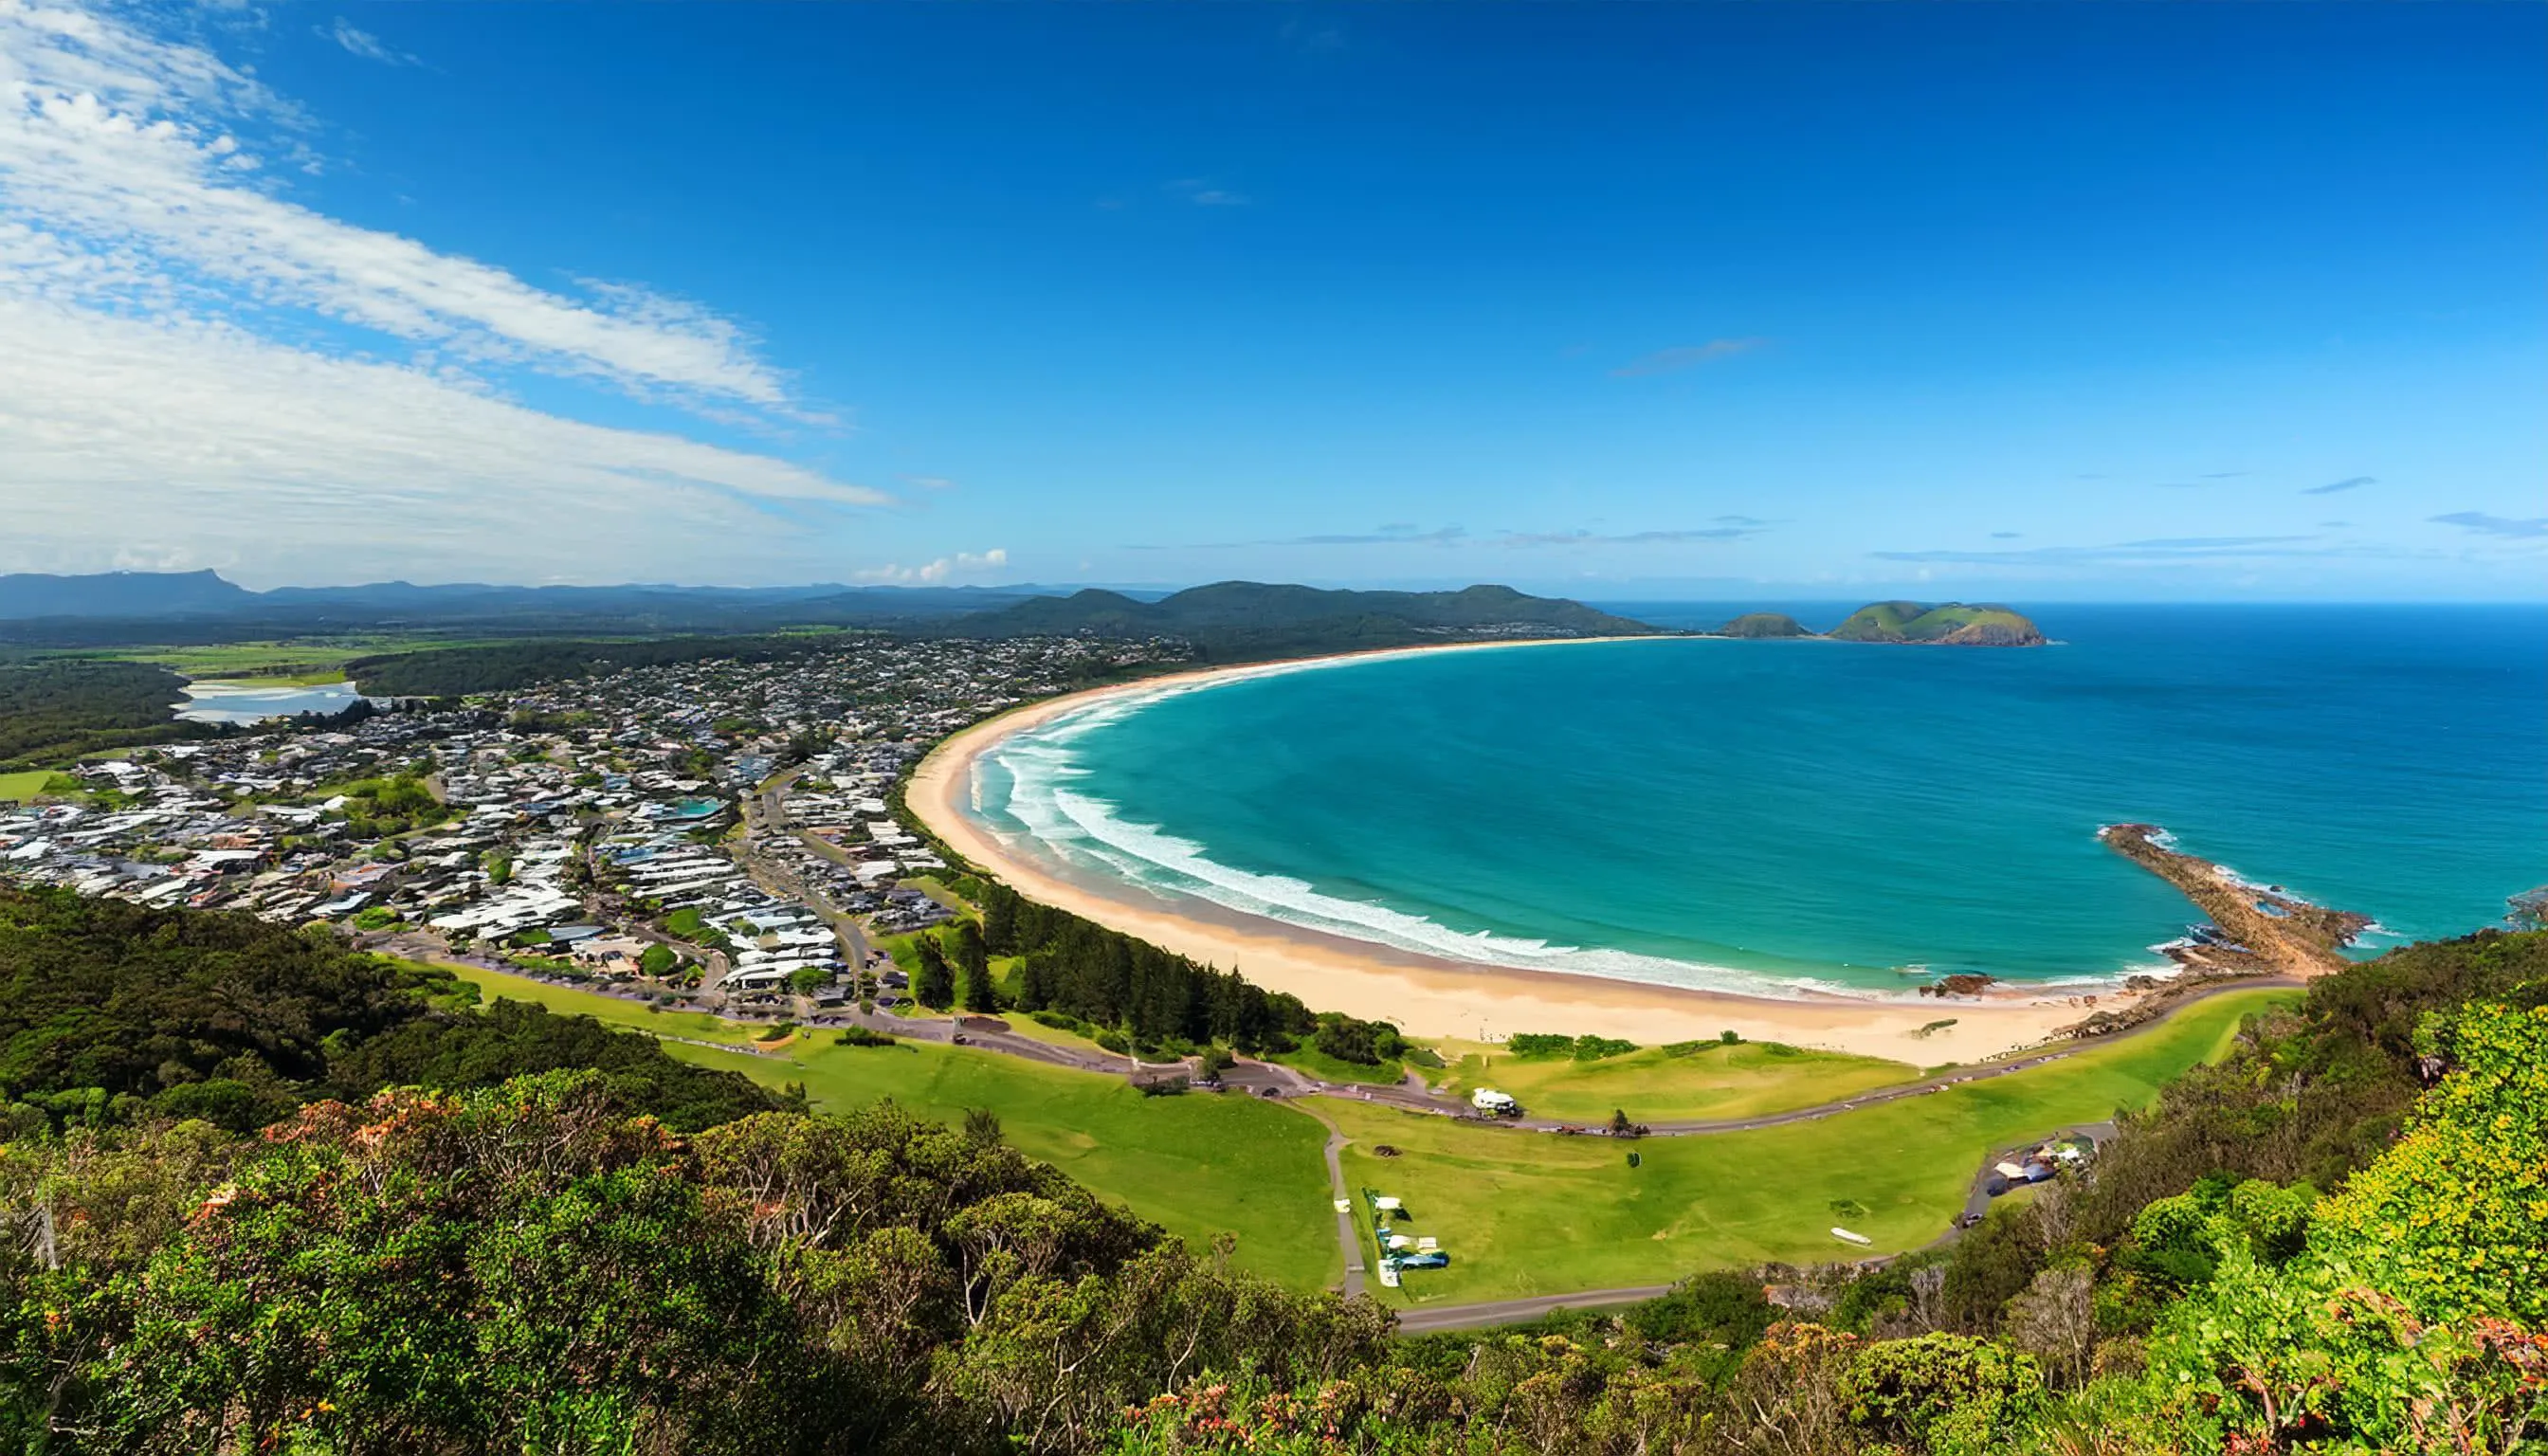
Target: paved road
{"x":1347,"y":1238}
{"x":1514,"y":1312}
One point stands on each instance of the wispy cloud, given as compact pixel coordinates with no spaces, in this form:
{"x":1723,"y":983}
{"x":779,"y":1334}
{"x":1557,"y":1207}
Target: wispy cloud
{"x":1741,"y":520}
{"x":1627,"y":538}
{"x":131,"y":175}
{"x":2226,"y":475}
{"x":201,"y":370}
{"x":1403,"y":533}
{"x":2155,"y":550}
{"x":1385,"y":536}
{"x":2529,"y":528}
{"x":938,"y":573}
{"x":930,"y":482}
{"x":2350,"y":483}
{"x":1204,"y":194}
{"x":1667,"y":361}
{"x":364,"y":43}
{"x":2007,"y":535}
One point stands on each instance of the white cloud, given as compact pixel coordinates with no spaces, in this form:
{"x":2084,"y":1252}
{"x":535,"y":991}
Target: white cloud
{"x":936,"y":573}
{"x":198,"y":371}
{"x":1203,"y":194}
{"x":364,"y":43}
{"x":129,"y":148}
{"x":199,"y":441}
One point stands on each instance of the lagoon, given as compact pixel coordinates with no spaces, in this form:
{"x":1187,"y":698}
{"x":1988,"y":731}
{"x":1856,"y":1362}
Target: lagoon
{"x":251,"y":701}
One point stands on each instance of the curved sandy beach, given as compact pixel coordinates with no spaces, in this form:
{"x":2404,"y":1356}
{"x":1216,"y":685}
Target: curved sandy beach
{"x":1431,"y":997}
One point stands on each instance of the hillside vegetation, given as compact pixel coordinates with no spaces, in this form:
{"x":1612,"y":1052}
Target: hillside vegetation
{"x":58,"y":707}
{"x":111,"y":1015}
{"x":2334,"y":1240}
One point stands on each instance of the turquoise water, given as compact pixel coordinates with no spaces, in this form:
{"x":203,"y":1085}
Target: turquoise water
{"x":1753,"y":814}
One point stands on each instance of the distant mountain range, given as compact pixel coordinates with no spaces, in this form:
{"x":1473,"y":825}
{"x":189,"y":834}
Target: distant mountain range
{"x":544,"y":629}
{"x":205,"y":594}
{"x":195,"y":606}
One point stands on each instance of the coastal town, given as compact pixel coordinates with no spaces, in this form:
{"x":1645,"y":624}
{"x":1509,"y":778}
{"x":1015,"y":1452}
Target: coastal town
{"x":718,"y":834}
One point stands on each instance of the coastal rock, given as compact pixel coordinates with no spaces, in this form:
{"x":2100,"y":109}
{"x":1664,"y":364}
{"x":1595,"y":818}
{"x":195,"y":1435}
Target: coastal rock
{"x":1961,"y":983}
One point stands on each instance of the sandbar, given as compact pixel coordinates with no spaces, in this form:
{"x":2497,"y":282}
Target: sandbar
{"x":1432,"y":997}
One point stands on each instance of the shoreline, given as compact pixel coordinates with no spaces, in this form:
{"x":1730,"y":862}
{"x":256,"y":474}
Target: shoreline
{"x":1432,"y":997}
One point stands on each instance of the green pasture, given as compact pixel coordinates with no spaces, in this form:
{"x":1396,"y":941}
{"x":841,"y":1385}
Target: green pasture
{"x":17,"y":788}
{"x":299,"y":662}
{"x":1197,"y":1165}
{"x":1537,"y":1214}
{"x":1685,"y":1083}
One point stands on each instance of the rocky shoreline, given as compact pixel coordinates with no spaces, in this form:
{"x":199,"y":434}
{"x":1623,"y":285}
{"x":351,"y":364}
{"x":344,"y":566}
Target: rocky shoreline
{"x":2260,"y":931}
{"x":2256,"y":934}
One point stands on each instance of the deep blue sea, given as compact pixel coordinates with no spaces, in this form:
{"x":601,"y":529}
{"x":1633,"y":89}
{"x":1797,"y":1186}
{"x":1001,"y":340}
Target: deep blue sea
{"x":1747,"y":814}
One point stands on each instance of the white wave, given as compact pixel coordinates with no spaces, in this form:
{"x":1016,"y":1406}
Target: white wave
{"x":1084,"y":830}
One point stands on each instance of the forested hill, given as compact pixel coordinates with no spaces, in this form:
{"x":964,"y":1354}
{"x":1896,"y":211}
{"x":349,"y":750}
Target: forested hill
{"x":2336,"y":1240}
{"x":1237,"y":620}
{"x":113,"y":1015}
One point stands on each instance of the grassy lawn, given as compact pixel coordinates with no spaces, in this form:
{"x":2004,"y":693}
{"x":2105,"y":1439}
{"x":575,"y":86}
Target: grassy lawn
{"x":1320,"y":1064}
{"x":17,"y":788}
{"x":1528,"y":1213}
{"x":568,"y":1001}
{"x":1710,"y":1080}
{"x":1197,"y":1165}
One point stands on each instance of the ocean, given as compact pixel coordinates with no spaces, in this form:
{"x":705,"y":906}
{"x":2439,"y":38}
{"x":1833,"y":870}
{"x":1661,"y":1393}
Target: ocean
{"x":1755,"y":816}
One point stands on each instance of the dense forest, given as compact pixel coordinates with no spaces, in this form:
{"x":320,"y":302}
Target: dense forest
{"x":116,"y":1016}
{"x":2335,"y":1240}
{"x":53,"y":708}
{"x":1111,"y":980}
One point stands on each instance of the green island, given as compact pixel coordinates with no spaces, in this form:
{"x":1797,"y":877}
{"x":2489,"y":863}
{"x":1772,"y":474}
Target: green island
{"x":1948,"y":624}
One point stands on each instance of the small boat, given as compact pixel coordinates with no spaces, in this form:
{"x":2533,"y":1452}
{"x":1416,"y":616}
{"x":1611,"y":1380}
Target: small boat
{"x":1845,"y":1237}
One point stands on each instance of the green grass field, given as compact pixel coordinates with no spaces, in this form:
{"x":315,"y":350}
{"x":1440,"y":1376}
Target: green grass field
{"x":1196,"y":1165}
{"x":1711,"y":1081}
{"x":17,"y":788}
{"x":1531,"y":1212}
{"x":300,"y":662}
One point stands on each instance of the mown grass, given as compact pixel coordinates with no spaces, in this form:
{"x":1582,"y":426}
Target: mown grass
{"x":1536,"y":1214}
{"x":17,"y":788}
{"x":1697,"y":1080}
{"x":1199,"y":1165}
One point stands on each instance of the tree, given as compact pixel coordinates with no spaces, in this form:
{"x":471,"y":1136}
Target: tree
{"x":934,"y":984}
{"x":657,"y":960}
{"x":805,"y":981}
{"x":979,"y":994}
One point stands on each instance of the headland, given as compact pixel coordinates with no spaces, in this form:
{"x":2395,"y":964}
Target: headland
{"x":1430,"y":996}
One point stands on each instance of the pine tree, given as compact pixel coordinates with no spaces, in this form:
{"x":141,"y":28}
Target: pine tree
{"x":934,"y":986}
{"x":975,"y":960}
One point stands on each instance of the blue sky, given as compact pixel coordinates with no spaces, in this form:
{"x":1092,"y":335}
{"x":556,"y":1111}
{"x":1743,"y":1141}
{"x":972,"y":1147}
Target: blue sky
{"x":2026,"y":301}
